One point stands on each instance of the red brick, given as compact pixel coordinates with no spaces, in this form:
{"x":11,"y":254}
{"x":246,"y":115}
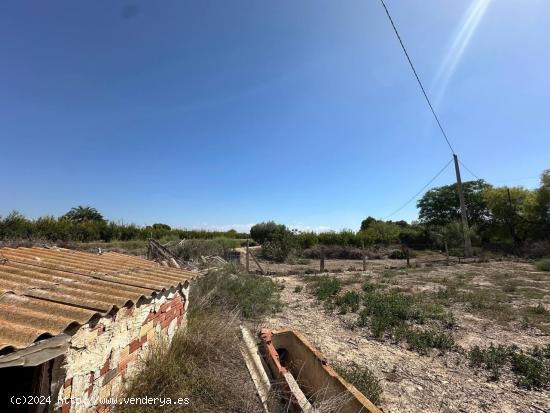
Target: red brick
{"x":134,"y":345}
{"x":143,"y":339}
{"x":165,"y":323}
{"x":152,"y":315}
{"x":106,"y":367}
{"x":92,"y":377}
{"x":165,"y":307}
{"x":68,"y":382}
{"x":124,"y":362}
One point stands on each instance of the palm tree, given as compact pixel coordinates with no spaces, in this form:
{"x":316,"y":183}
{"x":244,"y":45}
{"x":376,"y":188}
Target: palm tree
{"x":82,"y":214}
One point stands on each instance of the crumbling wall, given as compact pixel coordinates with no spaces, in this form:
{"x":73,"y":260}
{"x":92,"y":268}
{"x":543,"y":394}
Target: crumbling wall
{"x":102,"y":355}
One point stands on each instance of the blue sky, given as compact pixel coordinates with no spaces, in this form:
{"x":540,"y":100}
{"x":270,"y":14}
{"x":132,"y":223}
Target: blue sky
{"x":222,"y":114}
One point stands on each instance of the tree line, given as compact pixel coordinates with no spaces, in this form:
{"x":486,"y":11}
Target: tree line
{"x":506,"y":219}
{"x":509,"y":219}
{"x":85,"y":224}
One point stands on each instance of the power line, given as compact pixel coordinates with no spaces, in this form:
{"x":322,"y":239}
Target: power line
{"x":469,"y":170}
{"x":419,"y":192}
{"x":417,"y":77}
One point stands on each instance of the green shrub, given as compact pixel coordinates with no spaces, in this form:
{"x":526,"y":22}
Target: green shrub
{"x":349,"y":301}
{"x":368,"y":287}
{"x":278,"y":250}
{"x":325,"y":287}
{"x":266,"y":231}
{"x":195,"y":248}
{"x":493,"y":358}
{"x":422,"y":341}
{"x":542,"y":353}
{"x":532,"y":369}
{"x":533,"y":373}
{"x":306,"y":239}
{"x":363,"y":379}
{"x":386,"y":310}
{"x":397,"y":255}
{"x":333,"y":252}
{"x":255,"y":297}
{"x":539,"y":309}
{"x":543,"y":265}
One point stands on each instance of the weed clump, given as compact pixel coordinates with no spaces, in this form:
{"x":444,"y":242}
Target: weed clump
{"x":363,"y":379}
{"x":388,"y":313}
{"x":532,"y":369}
{"x":422,"y":341}
{"x":253,"y":296}
{"x":493,"y":359}
{"x":325,"y":287}
{"x":348,"y":302}
{"x":386,"y":310}
{"x":533,"y":372}
{"x":368,"y":287}
{"x":538,"y":309}
{"x":543,"y":265}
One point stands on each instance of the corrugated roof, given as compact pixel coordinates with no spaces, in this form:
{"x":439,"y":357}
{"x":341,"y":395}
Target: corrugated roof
{"x":45,"y":292}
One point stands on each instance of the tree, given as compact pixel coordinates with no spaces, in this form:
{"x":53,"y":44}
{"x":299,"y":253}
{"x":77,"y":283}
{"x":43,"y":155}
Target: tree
{"x":81,"y":214}
{"x":267,"y":231}
{"x":512,"y":211}
{"x":441,"y":205}
{"x":542,"y":207}
{"x":366,"y":223}
{"x":345,"y":237}
{"x":162,"y":227}
{"x":231,"y":233}
{"x":306,"y":239}
{"x":380,"y":232}
{"x":413,"y":236}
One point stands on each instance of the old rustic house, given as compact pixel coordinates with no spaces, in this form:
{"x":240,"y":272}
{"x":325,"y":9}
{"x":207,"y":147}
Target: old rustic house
{"x":73,"y":324}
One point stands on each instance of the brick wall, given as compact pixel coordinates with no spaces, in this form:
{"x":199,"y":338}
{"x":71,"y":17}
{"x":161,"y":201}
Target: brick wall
{"x":102,"y":355}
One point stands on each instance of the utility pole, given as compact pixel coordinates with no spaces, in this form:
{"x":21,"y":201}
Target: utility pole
{"x":465,"y":227}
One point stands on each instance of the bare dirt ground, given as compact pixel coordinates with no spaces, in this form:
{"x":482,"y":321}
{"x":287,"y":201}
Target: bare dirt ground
{"x":436,"y":382}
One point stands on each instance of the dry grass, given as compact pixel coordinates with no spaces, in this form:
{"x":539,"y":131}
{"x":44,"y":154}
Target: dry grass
{"x":203,"y":362}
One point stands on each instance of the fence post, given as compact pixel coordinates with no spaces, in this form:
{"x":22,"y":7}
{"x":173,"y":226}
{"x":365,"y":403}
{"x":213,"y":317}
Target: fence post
{"x":247,"y":257}
{"x":364,"y":256}
{"x":322,"y":263}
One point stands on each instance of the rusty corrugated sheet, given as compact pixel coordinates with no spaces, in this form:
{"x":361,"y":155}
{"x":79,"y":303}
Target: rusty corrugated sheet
{"x":45,"y":292}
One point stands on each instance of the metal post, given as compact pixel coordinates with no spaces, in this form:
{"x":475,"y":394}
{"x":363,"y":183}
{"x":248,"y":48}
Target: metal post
{"x":464,"y":215}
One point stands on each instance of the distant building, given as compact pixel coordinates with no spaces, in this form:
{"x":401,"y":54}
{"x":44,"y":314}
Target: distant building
{"x":74,"y":324}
